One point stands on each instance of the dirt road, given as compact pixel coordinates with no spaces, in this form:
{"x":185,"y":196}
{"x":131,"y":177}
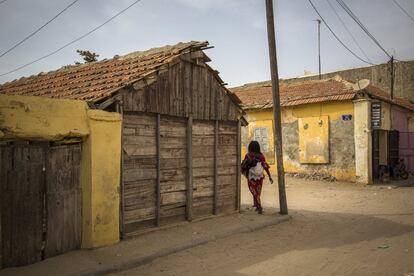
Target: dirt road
{"x":337,"y":229}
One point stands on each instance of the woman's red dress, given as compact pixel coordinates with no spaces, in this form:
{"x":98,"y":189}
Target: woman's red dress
{"x":255,"y":186}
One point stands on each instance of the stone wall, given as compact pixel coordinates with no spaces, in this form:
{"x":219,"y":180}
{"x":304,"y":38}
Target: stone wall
{"x":379,"y":75}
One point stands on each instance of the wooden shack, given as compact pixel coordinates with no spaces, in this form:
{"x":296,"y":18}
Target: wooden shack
{"x":180,"y":134}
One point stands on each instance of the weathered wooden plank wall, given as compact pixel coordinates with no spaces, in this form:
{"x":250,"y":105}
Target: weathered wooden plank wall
{"x":139,"y":174}
{"x":203,"y":167}
{"x":184,"y":95}
{"x":173,"y":168}
{"x":140,"y":169}
{"x":227,"y":163}
{"x":184,"y":89}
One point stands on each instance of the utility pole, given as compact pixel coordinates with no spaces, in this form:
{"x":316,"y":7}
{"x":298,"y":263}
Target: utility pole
{"x":392,"y":77}
{"x":319,"y":45}
{"x":277,"y":126}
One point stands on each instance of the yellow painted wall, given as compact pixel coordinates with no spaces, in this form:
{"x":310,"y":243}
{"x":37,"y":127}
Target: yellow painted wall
{"x":314,"y":140}
{"x":333,"y":110}
{"x":37,"y":118}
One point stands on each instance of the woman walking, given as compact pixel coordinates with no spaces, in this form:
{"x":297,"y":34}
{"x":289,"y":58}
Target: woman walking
{"x":253,"y":167}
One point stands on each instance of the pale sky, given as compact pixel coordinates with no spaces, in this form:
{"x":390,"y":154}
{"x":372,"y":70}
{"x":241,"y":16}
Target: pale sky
{"x":236,"y":29}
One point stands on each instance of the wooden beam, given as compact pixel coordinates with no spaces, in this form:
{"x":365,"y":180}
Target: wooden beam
{"x":215,"y":189}
{"x":158,"y":189}
{"x":238,"y":150}
{"x":105,"y":104}
{"x":189,"y":204}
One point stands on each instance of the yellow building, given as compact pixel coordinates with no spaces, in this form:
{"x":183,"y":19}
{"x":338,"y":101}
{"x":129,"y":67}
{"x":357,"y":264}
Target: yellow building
{"x":326,"y":125}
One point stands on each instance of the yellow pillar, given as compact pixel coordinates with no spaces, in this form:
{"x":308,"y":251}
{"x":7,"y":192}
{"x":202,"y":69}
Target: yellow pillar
{"x":363,"y":141}
{"x":101,"y":155}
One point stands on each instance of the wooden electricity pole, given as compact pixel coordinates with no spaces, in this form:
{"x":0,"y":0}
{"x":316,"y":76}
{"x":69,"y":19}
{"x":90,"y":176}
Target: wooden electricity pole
{"x":277,"y":125}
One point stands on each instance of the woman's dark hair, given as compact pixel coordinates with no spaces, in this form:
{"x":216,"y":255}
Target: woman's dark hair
{"x":254,"y":146}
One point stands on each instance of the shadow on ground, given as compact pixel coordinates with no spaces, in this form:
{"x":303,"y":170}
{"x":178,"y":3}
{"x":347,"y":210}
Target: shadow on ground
{"x":312,"y":243}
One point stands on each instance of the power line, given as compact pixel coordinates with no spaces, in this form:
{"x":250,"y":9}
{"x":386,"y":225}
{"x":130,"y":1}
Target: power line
{"x":36,"y":31}
{"x":73,"y":41}
{"x":349,"y":32}
{"x":337,"y":38}
{"x":355,"y":18}
{"x":404,"y":11}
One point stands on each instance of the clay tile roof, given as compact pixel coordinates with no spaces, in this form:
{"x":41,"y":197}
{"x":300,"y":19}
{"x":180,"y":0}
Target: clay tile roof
{"x":376,"y":92}
{"x":259,"y":95}
{"x":98,"y":80}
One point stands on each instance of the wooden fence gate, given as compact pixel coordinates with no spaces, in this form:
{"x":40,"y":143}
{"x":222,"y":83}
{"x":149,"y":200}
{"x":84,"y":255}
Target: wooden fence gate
{"x":40,"y":201}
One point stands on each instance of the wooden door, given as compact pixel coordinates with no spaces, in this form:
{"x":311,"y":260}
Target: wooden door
{"x":40,"y":201}
{"x":63,"y":200}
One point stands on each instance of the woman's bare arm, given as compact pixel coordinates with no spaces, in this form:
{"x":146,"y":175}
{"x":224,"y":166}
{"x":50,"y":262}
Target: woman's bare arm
{"x":270,"y":177}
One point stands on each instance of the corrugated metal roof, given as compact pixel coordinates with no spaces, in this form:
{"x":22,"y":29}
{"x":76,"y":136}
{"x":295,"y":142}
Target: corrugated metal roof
{"x":98,"y":80}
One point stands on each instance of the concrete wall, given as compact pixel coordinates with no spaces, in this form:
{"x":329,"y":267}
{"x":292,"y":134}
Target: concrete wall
{"x":379,"y":75}
{"x":400,"y":118}
{"x":341,"y":138}
{"x":36,"y":118}
{"x":363,"y":141}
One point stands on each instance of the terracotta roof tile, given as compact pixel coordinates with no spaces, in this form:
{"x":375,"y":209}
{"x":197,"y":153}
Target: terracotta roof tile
{"x":382,"y":95}
{"x":97,"y":80}
{"x":259,"y":95}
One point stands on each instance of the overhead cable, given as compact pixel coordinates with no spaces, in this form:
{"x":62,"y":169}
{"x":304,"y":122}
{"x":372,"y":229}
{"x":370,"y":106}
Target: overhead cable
{"x":73,"y":41}
{"x":348,"y":31}
{"x":359,"y":23}
{"x":337,"y":38}
{"x":404,"y":11}
{"x":38,"y":29}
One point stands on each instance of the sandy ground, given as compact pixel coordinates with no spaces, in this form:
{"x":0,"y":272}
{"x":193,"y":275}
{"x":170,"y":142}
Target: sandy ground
{"x":336,"y":229}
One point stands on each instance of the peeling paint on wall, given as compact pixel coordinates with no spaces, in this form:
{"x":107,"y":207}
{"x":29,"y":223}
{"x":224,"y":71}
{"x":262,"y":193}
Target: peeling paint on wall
{"x":314,"y":140}
{"x":341,"y":148}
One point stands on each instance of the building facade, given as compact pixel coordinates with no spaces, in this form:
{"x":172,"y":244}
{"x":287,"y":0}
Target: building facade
{"x":327,"y":125}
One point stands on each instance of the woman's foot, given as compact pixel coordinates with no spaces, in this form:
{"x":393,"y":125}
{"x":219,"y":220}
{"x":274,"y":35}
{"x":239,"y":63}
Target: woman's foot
{"x":259,"y":210}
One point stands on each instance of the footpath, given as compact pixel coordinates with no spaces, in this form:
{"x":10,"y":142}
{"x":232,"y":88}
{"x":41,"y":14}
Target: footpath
{"x":149,"y":246}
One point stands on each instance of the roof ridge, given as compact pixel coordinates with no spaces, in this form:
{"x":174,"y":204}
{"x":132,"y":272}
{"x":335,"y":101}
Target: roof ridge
{"x":281,"y":83}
